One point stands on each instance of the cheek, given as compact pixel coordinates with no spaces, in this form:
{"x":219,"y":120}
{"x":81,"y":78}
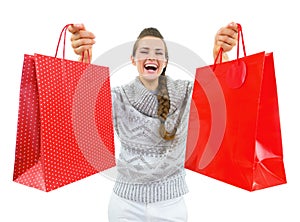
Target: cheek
{"x":140,"y":66}
{"x":162,"y":64}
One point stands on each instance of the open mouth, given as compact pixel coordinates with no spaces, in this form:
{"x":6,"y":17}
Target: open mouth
{"x":151,"y":67}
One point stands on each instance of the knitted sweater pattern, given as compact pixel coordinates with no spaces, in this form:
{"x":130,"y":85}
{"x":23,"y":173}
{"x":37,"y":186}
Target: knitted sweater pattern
{"x":150,"y":169}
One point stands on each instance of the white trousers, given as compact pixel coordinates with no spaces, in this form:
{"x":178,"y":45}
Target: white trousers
{"x":123,"y":210}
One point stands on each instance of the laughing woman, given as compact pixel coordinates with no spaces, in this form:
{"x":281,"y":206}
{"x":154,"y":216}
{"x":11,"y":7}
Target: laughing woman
{"x":150,"y":118}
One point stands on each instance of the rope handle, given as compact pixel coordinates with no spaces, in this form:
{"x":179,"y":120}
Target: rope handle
{"x":240,"y":38}
{"x":64,"y":33}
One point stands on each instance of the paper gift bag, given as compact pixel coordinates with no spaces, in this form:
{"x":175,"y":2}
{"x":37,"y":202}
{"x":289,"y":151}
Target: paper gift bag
{"x":234,"y":128}
{"x":65,"y":129}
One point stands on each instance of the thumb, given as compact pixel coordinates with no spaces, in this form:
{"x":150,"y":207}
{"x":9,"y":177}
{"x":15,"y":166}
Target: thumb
{"x":76,"y":27}
{"x":233,"y":26}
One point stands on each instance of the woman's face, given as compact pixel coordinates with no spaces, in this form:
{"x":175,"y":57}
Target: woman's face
{"x":150,"y":58}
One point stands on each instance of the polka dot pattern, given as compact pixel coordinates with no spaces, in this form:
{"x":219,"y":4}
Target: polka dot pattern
{"x":65,"y":130}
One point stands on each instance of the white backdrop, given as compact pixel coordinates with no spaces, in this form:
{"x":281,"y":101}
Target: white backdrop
{"x":34,"y":26}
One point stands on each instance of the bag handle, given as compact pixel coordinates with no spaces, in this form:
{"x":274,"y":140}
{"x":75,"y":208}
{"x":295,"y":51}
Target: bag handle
{"x":240,"y":38}
{"x":64,"y":32}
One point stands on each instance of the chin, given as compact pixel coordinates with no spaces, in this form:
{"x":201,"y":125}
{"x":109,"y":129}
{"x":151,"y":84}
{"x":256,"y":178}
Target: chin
{"x":150,"y":77}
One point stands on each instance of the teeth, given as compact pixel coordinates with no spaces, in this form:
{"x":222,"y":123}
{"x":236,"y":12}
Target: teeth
{"x":151,"y":66}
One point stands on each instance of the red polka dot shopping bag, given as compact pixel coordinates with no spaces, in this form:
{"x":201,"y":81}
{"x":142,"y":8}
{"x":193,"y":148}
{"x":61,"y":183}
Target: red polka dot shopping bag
{"x":65,"y":128}
{"x":234,"y":127}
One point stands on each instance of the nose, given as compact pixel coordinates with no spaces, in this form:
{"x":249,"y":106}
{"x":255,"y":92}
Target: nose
{"x":151,"y":56}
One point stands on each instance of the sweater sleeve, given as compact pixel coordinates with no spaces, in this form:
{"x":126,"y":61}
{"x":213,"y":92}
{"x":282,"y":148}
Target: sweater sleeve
{"x":115,"y":96}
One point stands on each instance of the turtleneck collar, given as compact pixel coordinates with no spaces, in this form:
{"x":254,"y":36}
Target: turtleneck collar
{"x":145,"y":101}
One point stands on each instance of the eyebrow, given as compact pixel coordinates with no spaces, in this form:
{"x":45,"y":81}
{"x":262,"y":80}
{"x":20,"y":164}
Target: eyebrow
{"x":157,"y":49}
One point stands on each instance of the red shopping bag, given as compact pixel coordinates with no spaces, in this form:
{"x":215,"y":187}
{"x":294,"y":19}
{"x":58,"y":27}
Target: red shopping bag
{"x":234,"y":127}
{"x":65,"y":129}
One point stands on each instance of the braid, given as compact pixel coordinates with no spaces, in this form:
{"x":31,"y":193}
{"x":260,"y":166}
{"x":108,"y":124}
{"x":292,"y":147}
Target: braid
{"x":164,"y":106}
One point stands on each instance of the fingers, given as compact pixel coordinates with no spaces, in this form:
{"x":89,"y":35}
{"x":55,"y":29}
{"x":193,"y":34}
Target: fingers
{"x":79,"y":50}
{"x":226,"y":42}
{"x":226,"y":37}
{"x":81,"y":39}
{"x":80,"y":34}
{"x":231,"y":29}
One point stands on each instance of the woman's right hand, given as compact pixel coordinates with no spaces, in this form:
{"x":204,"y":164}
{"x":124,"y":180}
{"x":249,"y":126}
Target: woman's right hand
{"x":82,"y":42}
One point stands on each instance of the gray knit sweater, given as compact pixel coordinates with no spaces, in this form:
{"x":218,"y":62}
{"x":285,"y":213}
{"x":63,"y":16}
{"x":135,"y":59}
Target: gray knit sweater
{"x":150,"y":169}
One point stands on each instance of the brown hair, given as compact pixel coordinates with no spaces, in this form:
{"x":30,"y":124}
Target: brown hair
{"x":162,"y":94}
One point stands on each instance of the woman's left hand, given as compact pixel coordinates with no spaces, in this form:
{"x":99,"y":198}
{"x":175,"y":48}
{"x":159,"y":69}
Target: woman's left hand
{"x":226,"y":38}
